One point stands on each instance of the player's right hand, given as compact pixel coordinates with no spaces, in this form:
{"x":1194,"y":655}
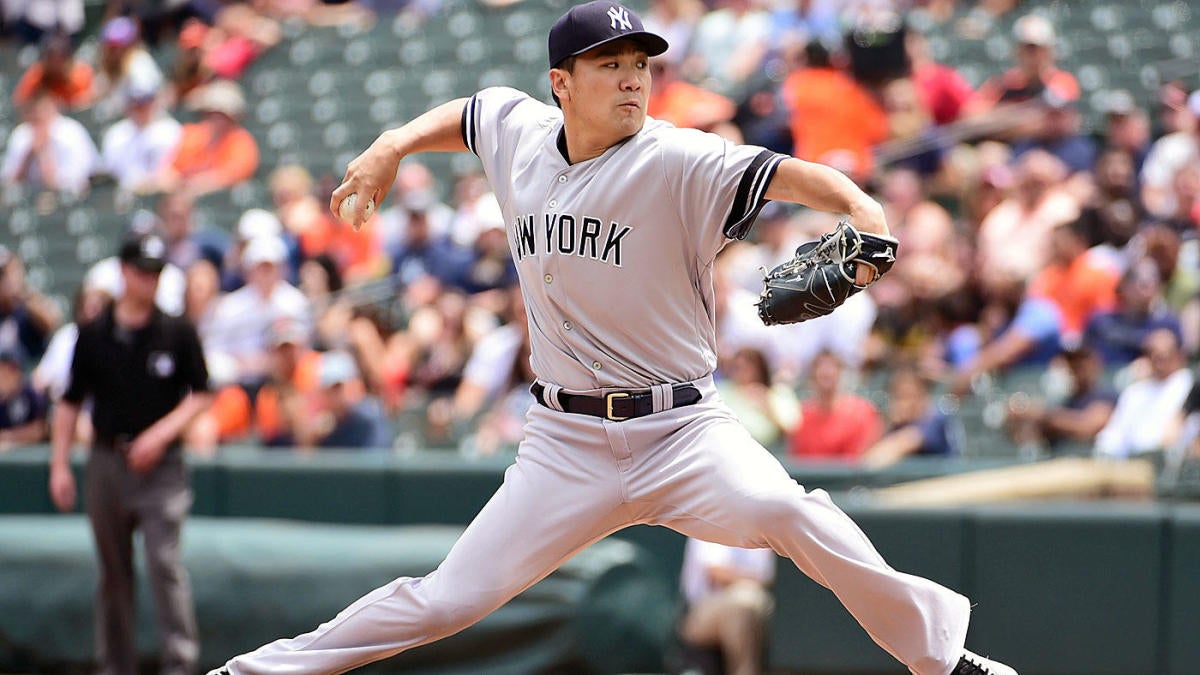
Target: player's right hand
{"x":62,"y":487}
{"x":370,"y":175}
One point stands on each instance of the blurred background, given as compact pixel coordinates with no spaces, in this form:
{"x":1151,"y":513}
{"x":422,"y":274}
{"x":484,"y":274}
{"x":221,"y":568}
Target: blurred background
{"x":1012,"y":411}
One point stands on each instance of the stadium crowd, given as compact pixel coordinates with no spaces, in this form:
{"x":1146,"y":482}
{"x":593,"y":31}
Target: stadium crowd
{"x":1029,"y":243}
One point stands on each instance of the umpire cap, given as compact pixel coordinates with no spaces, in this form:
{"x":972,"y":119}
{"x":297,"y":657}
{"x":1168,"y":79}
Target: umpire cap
{"x":146,"y":252}
{"x":599,"y":22}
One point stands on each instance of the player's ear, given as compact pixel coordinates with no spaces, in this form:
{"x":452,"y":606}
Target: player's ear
{"x":558,"y":82}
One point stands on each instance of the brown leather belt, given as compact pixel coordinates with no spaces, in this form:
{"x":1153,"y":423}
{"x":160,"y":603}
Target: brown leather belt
{"x":617,"y":405}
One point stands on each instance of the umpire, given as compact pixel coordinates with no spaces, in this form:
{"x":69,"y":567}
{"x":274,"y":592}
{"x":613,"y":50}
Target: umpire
{"x":144,"y":373}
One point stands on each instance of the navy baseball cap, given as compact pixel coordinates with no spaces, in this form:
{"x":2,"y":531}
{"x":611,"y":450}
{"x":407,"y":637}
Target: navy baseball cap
{"x":592,"y":24}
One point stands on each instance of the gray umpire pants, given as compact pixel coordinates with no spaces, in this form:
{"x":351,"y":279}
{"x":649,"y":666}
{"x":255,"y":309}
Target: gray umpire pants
{"x":118,"y":502}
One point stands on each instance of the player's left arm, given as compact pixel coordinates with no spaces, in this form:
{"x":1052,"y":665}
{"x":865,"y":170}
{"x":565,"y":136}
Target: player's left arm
{"x":824,"y":188}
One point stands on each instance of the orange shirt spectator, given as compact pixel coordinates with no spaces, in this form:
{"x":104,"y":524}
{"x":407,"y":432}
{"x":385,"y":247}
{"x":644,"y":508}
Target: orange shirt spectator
{"x":831,"y":115}
{"x":216,"y":152}
{"x":684,"y":104}
{"x":1079,"y":289}
{"x":58,"y":73}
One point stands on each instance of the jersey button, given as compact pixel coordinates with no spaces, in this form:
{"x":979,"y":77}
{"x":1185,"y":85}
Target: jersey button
{"x":553,"y":203}
{"x":596,"y":365}
{"x":567,"y":325}
{"x":549,"y":278}
{"x":562,"y":179}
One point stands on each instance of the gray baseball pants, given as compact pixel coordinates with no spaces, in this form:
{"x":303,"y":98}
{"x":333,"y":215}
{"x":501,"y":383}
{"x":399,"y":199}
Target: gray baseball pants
{"x":119,"y":501}
{"x":577,"y":479}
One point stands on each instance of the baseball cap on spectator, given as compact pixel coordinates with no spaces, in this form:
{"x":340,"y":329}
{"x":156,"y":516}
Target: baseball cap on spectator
{"x":221,"y":96}
{"x":260,"y":250}
{"x":287,"y":331}
{"x":337,"y":367}
{"x":1120,"y":102}
{"x":256,"y":223}
{"x":1193,"y":102}
{"x":1034,"y":29}
{"x":595,"y":23}
{"x":147,"y":252}
{"x":121,"y":31}
{"x":141,"y":89}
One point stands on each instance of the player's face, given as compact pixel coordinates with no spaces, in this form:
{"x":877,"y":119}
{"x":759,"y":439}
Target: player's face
{"x":608,"y":89}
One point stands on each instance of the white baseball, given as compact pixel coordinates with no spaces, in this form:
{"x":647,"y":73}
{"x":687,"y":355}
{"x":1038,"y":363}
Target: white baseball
{"x":346,"y":210}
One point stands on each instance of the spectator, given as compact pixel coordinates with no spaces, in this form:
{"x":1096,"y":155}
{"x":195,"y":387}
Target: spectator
{"x":289,"y":396}
{"x":345,"y":420}
{"x":414,"y":194}
{"x":1058,"y":133}
{"x":831,"y":115}
{"x":137,"y":148}
{"x":242,"y":318}
{"x":1076,"y":418}
{"x":27,"y":318}
{"x":1185,"y":195}
{"x":728,"y":47}
{"x":202,"y":294}
{"x":124,"y":62}
{"x":1118,"y":335}
{"x":255,"y":224}
{"x":22,"y":408}
{"x":427,"y":256}
{"x":727,"y":602}
{"x":1178,"y":263}
{"x":1014,"y":237}
{"x":58,"y":73}
{"x":943,"y":90}
{"x":1167,"y":156}
{"x":300,"y":213}
{"x":682,"y":103}
{"x":185,"y":244}
{"x":1079,"y":284}
{"x":215,"y":153}
{"x":834,"y":424}
{"x":1145,"y":409}
{"x":33,"y":20}
{"x":1015,"y":329}
{"x":1127,"y":127}
{"x":189,"y":71}
{"x":676,"y":21}
{"x":1034,"y":72}
{"x":49,"y":151}
{"x":769,"y":411}
{"x":916,"y":424}
{"x":1114,"y":211}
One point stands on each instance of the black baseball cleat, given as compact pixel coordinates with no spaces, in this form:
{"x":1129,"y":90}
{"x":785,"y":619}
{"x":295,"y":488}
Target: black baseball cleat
{"x":219,"y":671}
{"x":971,"y":663}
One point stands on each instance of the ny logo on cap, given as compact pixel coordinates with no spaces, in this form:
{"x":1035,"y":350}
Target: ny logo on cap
{"x":618,"y":14}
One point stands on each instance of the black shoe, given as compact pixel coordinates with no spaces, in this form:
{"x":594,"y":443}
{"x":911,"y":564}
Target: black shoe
{"x":971,"y":663}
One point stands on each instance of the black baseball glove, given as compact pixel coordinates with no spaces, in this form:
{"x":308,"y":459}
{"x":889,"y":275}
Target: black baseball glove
{"x":821,"y":275}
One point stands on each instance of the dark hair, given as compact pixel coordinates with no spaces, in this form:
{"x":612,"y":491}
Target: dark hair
{"x":759,"y":361}
{"x":567,"y":64}
{"x":331,"y":271}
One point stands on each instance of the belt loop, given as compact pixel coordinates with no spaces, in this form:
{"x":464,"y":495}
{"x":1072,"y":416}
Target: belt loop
{"x":662,"y":397}
{"x":551,"y":396}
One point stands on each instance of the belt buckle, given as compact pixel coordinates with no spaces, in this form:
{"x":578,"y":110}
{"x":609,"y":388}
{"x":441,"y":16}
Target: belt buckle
{"x":608,"y":405}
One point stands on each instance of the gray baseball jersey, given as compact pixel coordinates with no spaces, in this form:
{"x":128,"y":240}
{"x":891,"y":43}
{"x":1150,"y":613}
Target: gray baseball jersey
{"x":615,"y":253}
{"x":615,"y":257}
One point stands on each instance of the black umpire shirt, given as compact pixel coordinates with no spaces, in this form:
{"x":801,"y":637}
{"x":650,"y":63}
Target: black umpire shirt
{"x":135,"y":377}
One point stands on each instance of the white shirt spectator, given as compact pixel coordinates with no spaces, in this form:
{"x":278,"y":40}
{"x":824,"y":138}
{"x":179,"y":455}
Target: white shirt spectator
{"x":133,"y":154}
{"x":698,"y":556}
{"x":844,"y":332}
{"x":1166,"y":157}
{"x":492,"y":360}
{"x":53,"y":372}
{"x":243,"y":319}
{"x":73,"y":152}
{"x":1144,"y":413}
{"x":172,"y":282}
